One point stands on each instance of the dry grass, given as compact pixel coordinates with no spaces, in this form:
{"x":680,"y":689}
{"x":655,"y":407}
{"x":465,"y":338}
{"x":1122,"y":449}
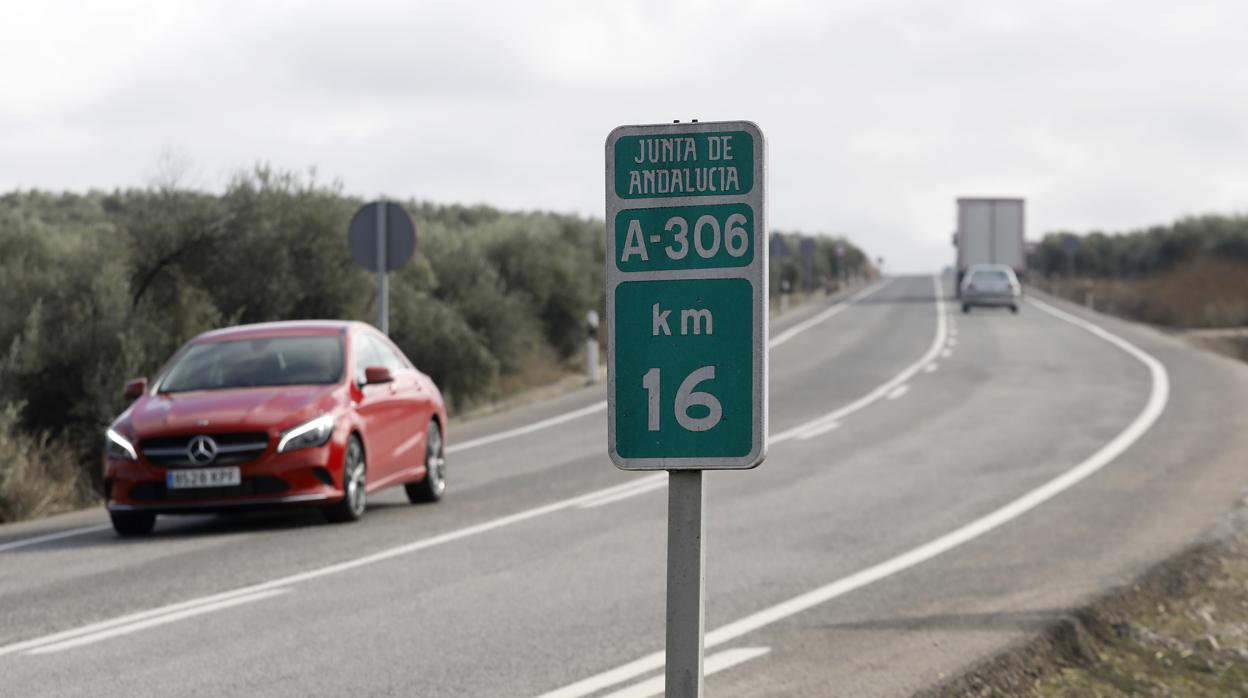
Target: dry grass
{"x":1236,"y":347}
{"x":1180,"y":630}
{"x":542,"y":375}
{"x":38,"y":476}
{"x":1207,"y":292}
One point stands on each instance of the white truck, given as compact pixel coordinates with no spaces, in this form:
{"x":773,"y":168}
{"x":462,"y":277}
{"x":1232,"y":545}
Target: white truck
{"x":990,"y":231}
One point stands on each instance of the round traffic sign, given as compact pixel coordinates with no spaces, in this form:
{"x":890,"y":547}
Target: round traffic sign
{"x":399,"y":236}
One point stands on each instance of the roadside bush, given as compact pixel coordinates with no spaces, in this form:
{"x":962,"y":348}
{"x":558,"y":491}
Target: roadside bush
{"x":823,"y":269}
{"x":1192,"y":273}
{"x":1146,"y":252}
{"x":38,"y":475}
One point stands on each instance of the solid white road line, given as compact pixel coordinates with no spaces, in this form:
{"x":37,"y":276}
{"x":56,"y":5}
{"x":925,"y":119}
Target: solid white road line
{"x":885,"y":388}
{"x":528,"y":428}
{"x":899,"y":391}
{"x":14,"y":545}
{"x":152,"y":622}
{"x":1159,"y":394}
{"x":649,"y":484}
{"x":715,"y":663}
{"x":818,"y":430}
{"x":291,"y":580}
{"x":830,"y":312}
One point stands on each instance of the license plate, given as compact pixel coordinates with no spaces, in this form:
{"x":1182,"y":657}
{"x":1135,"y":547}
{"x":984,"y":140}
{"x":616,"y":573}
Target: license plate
{"x":203,"y":477}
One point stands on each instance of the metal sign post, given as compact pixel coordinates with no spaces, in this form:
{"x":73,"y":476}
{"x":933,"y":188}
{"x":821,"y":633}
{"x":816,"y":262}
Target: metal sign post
{"x":381,"y":238}
{"x":383,"y":291}
{"x":687,"y":251}
{"x":686,"y":584}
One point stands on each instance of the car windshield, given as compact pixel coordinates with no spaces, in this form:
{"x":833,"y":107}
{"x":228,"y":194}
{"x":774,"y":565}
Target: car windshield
{"x":991,"y":275}
{"x":256,"y":362}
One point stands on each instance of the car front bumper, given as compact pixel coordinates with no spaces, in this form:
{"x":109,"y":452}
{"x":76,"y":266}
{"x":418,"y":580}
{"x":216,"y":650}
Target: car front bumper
{"x":993,"y":299}
{"x":309,"y":476}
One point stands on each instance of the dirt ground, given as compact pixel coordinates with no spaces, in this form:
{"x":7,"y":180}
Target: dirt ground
{"x":1180,"y":630}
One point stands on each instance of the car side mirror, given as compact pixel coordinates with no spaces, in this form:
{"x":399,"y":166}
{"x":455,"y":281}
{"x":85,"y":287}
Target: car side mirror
{"x":377,"y":374}
{"x":135,"y":387}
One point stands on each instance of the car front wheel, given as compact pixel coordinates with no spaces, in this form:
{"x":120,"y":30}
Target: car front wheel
{"x":354,"y":485}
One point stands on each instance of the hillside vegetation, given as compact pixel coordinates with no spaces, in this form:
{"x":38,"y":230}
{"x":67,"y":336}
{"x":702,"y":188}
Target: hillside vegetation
{"x":99,"y":287}
{"x":1192,"y":273}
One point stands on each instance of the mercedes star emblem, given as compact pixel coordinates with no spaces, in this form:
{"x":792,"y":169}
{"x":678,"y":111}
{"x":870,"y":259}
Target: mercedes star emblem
{"x":201,"y":450}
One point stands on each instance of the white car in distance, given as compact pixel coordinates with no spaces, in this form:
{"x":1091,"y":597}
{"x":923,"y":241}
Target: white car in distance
{"x":990,"y":285}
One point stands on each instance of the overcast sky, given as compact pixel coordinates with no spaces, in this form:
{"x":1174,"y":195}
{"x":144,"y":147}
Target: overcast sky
{"x":878,"y":114}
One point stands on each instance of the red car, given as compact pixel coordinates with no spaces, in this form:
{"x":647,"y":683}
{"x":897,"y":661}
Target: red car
{"x":284,"y":413}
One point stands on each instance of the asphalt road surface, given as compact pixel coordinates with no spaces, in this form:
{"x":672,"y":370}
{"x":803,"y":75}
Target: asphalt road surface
{"x":938,"y":486}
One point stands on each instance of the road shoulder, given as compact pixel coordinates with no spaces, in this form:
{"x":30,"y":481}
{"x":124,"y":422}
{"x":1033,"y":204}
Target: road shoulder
{"x":1181,"y":628}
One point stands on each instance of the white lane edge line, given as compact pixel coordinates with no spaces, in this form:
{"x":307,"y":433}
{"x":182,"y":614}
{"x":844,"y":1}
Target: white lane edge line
{"x":818,"y":430}
{"x":883,"y":389}
{"x":714,"y":664}
{"x":1158,"y":396}
{"x":649,"y":486}
{"x":153,"y":622}
{"x":290,"y":580}
{"x":528,"y":428}
{"x":830,"y":312}
{"x":14,"y":545}
{"x":602,"y":405}
{"x":899,"y":391}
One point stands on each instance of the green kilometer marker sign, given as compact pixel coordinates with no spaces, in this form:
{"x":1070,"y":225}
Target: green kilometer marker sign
{"x":687,"y":296}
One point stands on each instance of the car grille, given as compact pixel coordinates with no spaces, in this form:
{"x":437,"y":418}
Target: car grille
{"x":232,"y":448}
{"x":250,"y":486}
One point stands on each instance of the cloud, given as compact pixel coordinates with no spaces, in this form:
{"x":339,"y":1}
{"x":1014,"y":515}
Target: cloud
{"x":1103,"y":114}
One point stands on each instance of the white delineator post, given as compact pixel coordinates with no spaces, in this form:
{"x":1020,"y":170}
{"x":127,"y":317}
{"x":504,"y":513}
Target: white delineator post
{"x":591,"y":346}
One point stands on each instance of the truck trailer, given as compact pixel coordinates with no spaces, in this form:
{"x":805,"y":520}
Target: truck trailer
{"x":990,"y":231}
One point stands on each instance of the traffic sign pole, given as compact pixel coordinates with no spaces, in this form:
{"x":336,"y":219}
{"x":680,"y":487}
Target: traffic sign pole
{"x":686,"y":582}
{"x":383,"y":290}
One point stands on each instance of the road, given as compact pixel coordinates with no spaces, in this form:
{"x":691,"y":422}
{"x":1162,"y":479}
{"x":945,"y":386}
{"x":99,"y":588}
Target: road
{"x":938,"y":486}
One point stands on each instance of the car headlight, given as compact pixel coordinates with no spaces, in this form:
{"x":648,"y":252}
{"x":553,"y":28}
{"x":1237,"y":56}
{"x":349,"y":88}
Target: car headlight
{"x":118,"y":446}
{"x":312,"y":433}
